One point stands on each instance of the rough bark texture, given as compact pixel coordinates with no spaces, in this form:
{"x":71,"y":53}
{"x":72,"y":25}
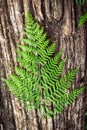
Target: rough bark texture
{"x":60,"y":23}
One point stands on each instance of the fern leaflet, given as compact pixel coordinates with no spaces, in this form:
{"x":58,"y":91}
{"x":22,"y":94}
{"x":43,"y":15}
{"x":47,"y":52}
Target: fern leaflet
{"x":82,"y":20}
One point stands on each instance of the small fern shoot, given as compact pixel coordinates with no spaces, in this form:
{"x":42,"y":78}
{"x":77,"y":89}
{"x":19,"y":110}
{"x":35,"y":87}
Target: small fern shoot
{"x":38,"y":82}
{"x":82,"y":20}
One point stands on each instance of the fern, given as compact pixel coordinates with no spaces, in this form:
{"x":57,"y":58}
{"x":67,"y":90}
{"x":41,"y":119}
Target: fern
{"x":38,"y":82}
{"x":82,"y":20}
{"x":80,"y":2}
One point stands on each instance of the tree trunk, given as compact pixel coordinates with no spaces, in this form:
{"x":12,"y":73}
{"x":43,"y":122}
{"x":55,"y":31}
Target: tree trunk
{"x":60,"y":23}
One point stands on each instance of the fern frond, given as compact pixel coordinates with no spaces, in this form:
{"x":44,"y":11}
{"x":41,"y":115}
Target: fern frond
{"x":73,"y":95}
{"x":14,"y":90}
{"x":18,"y":81}
{"x":28,"y":48}
{"x":26,"y":65}
{"x":21,"y":72}
{"x":38,"y":82}
{"x":29,"y":57}
{"x":64,"y":82}
{"x":50,"y":50}
{"x":28,"y":41}
{"x":50,"y":75}
{"x":82,"y":20}
{"x":53,"y":62}
{"x":80,"y":2}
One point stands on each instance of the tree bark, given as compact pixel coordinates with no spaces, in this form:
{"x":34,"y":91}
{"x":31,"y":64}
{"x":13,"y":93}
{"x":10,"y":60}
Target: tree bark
{"x":60,"y":23}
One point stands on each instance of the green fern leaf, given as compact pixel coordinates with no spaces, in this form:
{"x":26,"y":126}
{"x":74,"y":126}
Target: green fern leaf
{"x":38,"y":82}
{"x":73,"y":95}
{"x":82,"y":20}
{"x":80,"y":2}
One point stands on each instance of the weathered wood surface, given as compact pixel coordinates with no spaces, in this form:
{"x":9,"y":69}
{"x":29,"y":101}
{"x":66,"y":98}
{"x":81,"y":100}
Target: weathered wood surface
{"x":60,"y":23}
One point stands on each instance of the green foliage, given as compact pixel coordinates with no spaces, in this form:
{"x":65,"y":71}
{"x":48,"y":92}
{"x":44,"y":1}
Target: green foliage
{"x":38,"y":82}
{"x":80,"y":2}
{"x":85,"y":119}
{"x":82,"y":20}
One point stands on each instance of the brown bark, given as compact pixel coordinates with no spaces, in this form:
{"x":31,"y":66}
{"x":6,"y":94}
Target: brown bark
{"x":60,"y":24}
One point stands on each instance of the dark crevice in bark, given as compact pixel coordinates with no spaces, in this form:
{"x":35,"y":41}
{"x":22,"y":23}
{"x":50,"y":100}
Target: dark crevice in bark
{"x":12,"y":112}
{"x":85,"y":92}
{"x":62,"y":16}
{"x":53,"y":121}
{"x":39,"y":123}
{"x":26,"y":117}
{"x":1,"y":28}
{"x":43,"y":9}
{"x":72,"y":21}
{"x":1,"y":108}
{"x":50,"y":3}
{"x":22,"y":10}
{"x":7,"y":115}
{"x":59,"y":40}
{"x":75,"y":12}
{"x":31,"y":8}
{"x":6,"y":11}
